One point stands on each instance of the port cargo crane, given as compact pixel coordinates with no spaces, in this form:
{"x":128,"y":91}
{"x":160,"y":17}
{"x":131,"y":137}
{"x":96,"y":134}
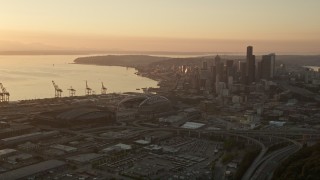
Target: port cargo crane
{"x":88,"y":89}
{"x":4,"y":95}
{"x":72,"y":92}
{"x":103,"y":89}
{"x":57,"y":90}
{"x":1,"y":97}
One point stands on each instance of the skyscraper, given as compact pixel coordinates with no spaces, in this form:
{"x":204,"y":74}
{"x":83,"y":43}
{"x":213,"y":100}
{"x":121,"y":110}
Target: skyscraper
{"x":229,"y":63}
{"x":229,"y":70}
{"x":251,"y":65}
{"x":204,"y":65}
{"x":243,"y":72}
{"x":249,"y":51}
{"x":219,"y":71}
{"x":258,"y":72}
{"x":196,"y":79}
{"x":204,"y":76}
{"x":267,"y":66}
{"x":273,"y":64}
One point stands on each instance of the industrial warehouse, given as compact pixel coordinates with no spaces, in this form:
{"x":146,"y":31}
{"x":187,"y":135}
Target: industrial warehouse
{"x":78,"y":115}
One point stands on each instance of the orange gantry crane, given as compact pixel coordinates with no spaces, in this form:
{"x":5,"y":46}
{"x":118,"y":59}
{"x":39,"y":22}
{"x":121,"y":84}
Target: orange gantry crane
{"x":103,"y":89}
{"x":57,"y":90}
{"x":88,"y":89}
{"x":4,"y":94}
{"x":72,"y":92}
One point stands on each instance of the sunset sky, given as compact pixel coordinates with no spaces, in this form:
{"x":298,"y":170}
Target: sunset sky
{"x":161,"y":25}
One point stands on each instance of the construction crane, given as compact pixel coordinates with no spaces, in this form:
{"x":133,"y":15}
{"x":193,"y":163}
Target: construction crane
{"x":57,"y":90}
{"x":88,"y":89}
{"x":4,"y":95}
{"x":103,"y":89}
{"x":72,"y":92}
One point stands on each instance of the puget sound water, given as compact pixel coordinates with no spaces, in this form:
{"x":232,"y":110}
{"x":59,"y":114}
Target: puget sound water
{"x":31,"y":76}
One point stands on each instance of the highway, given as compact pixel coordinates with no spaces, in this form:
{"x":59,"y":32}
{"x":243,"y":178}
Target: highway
{"x":253,"y":166}
{"x":265,"y":167}
{"x":275,"y":133}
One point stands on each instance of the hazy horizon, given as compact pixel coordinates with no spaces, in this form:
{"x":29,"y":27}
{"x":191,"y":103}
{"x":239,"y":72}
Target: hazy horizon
{"x":170,"y":26}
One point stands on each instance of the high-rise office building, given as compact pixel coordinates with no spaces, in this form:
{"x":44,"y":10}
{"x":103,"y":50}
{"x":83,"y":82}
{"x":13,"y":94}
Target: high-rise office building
{"x":273,"y":64}
{"x":196,"y":79}
{"x":204,"y":65}
{"x":258,"y":72}
{"x":251,"y":65}
{"x":268,"y":66}
{"x":243,"y":72}
{"x":219,"y":71}
{"x":213,"y":75}
{"x":229,"y":69}
{"x":204,"y":76}
{"x":229,"y":63}
{"x":249,"y":51}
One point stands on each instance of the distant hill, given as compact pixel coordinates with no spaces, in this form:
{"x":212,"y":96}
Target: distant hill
{"x":143,"y":60}
{"x":310,"y":60}
{"x":48,"y":52}
{"x":120,"y":60}
{"x":300,"y":60}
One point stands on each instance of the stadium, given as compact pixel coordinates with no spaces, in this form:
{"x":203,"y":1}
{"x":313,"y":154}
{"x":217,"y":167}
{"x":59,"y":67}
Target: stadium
{"x":145,"y":104}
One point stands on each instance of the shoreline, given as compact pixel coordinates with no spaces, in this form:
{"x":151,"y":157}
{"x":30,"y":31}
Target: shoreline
{"x":35,"y":84}
{"x":67,"y":98}
{"x":138,"y":73}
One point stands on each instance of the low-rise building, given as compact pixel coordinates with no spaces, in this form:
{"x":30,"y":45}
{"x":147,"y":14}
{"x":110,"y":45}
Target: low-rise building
{"x":7,"y":152}
{"x":19,"y":157}
{"x":29,"y":146}
{"x":117,"y":148}
{"x":33,"y":171}
{"x":14,"y":130}
{"x":192,"y":125}
{"x":157,"y":136}
{"x":277,"y":123}
{"x":85,"y":158}
{"x":28,"y":137}
{"x":67,"y":149}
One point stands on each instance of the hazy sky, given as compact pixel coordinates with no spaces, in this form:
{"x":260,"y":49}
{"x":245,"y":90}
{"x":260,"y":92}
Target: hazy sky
{"x":161,"y":25}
